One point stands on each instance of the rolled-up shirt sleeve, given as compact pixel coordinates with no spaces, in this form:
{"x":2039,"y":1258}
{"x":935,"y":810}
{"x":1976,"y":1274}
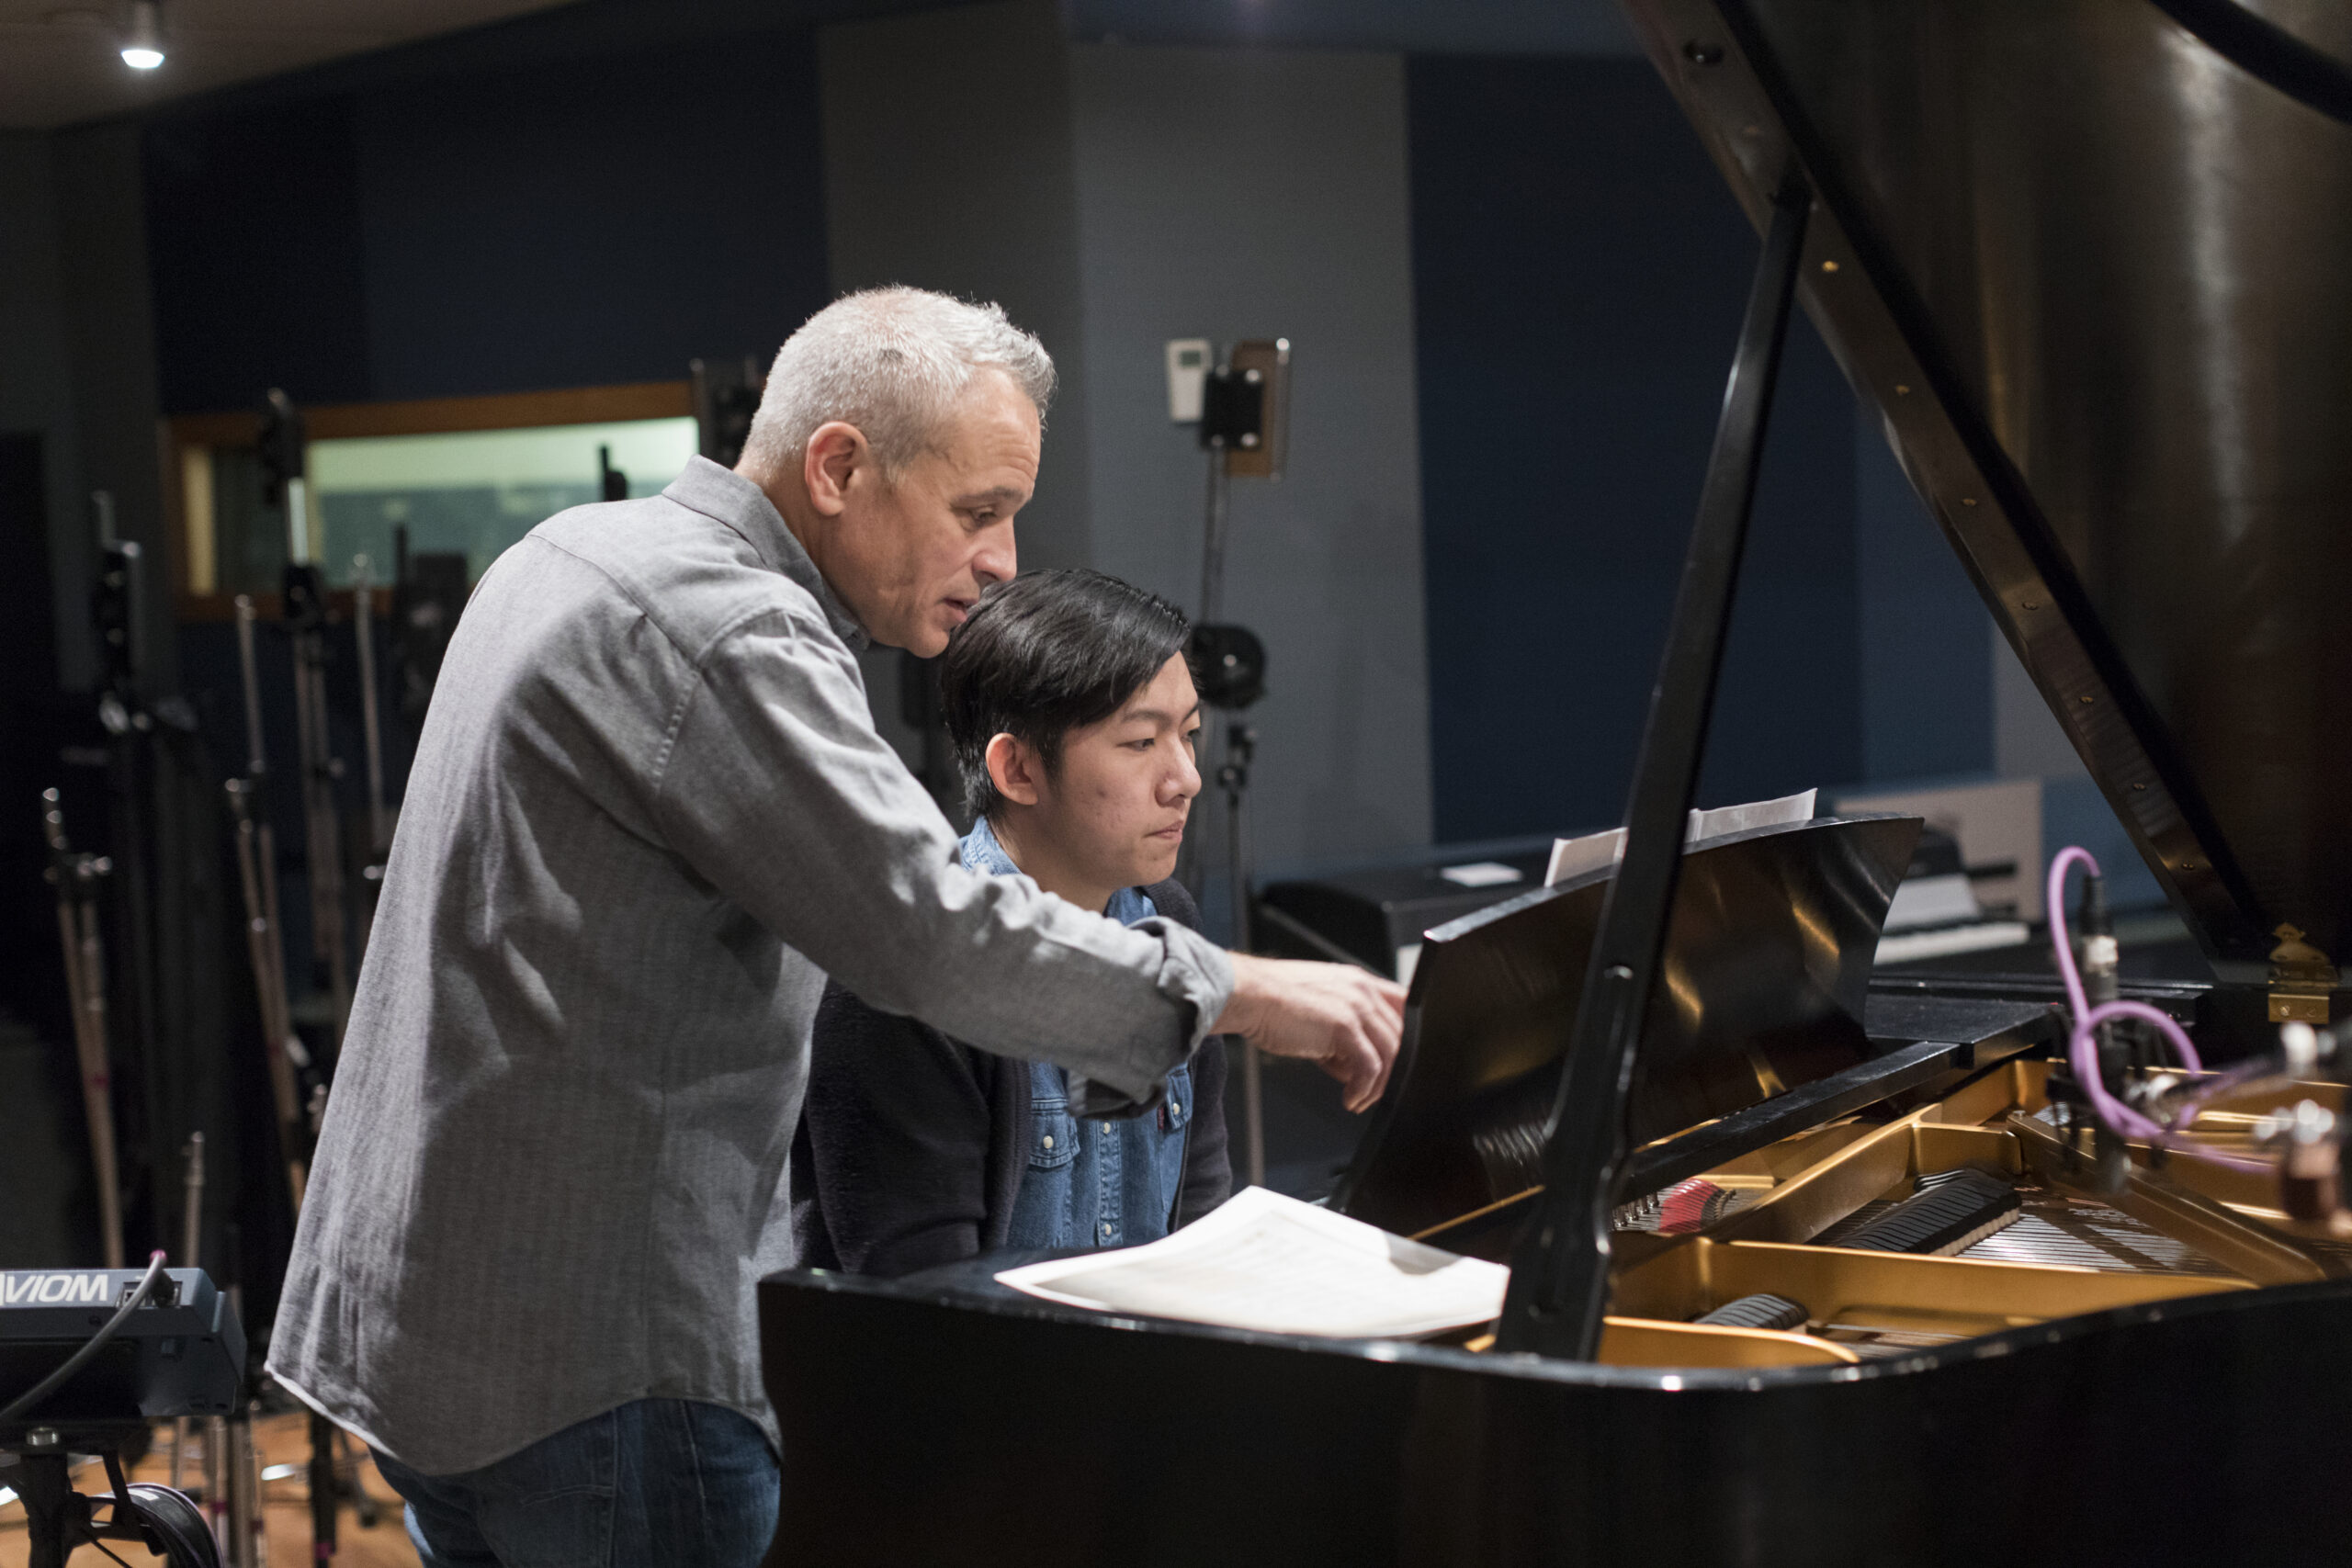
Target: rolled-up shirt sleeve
{"x":774,"y":785}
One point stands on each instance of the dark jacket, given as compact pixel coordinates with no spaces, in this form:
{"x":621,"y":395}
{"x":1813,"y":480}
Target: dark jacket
{"x":912,"y":1146}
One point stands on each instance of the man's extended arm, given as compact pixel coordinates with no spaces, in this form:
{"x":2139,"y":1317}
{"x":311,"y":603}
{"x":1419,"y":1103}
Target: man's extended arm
{"x":775,"y":787}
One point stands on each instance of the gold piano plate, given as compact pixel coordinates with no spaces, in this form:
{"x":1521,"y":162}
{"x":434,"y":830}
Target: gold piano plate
{"x":2177,"y":1229}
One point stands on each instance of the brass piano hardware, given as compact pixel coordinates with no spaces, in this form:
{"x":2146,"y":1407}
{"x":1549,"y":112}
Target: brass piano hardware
{"x":1901,"y":390}
{"x":1776,"y":1163}
{"x":2302,"y":977}
{"x":1651,"y":1342}
{"x":2252,"y":1194}
{"x":2087,"y":701}
{"x":1829,"y":266}
{"x":1968,"y":501}
{"x":1484,"y":1232}
{"x":2020,"y":1085}
{"x":1876,"y":1164}
{"x":1889,"y":1291}
{"x":1647,"y":1342}
{"x":1936,"y":1148}
{"x":2156,"y":1200}
{"x":2239,"y":1111}
{"x":1435,"y":1234}
{"x":1803,"y":1208}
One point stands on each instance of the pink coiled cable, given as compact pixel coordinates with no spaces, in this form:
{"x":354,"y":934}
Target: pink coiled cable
{"x":2083,"y":1044}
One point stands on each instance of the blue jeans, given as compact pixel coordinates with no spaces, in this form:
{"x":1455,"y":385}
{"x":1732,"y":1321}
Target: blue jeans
{"x":656,"y":1481}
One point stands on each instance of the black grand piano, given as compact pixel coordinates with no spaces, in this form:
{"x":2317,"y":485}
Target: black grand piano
{"x":2092,"y":260}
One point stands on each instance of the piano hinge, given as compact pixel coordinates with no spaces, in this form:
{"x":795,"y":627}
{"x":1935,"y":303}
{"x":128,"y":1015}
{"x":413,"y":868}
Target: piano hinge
{"x":2302,"y":979}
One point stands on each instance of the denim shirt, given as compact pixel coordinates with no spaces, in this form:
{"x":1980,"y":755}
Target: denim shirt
{"x":1092,"y":1181}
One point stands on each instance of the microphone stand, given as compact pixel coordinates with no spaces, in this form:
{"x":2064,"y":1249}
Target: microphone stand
{"x":380,"y":817}
{"x":191,"y":1232}
{"x":258,"y":876}
{"x":75,"y":877}
{"x":1242,"y":407}
{"x":305,"y":610}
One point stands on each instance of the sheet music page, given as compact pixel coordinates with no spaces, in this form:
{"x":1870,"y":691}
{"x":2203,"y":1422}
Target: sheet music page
{"x":1574,"y":857}
{"x":1755,"y":813}
{"x":1268,"y":1262}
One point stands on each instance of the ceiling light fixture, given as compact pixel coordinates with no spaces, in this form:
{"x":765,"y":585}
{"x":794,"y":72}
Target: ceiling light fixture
{"x":143,"y":49}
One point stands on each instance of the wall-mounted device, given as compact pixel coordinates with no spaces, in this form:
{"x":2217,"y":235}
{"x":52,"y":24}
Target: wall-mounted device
{"x":1245,"y":407}
{"x":1188,"y":370}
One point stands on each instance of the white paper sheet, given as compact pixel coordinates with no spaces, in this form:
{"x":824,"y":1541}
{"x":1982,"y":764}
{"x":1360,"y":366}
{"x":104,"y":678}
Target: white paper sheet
{"x":1271,"y":1263}
{"x":1755,"y":813}
{"x":1480,"y":874}
{"x":1574,"y":857}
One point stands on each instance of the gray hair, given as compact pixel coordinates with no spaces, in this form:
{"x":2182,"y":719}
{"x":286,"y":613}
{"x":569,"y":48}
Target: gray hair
{"x":892,"y":362}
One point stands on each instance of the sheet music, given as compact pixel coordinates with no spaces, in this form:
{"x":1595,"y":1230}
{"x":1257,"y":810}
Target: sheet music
{"x":1574,"y":857}
{"x":1271,"y":1263}
{"x":1755,"y":813}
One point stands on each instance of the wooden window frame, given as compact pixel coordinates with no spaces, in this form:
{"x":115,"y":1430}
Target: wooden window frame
{"x":181,"y":434}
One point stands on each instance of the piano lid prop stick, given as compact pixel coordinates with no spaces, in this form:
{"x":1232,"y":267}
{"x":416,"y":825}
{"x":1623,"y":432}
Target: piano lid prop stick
{"x":1559,"y":1282}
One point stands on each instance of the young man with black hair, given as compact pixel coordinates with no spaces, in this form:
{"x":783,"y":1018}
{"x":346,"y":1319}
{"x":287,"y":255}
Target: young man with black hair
{"x":1072,"y":713}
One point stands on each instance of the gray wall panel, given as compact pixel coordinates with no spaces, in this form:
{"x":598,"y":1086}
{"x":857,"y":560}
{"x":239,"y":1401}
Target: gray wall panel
{"x":110,"y":336}
{"x":1226,"y":193}
{"x":941,"y":172}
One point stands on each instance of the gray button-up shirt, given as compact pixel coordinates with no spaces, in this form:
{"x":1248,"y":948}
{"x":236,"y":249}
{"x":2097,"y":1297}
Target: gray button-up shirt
{"x":649,"y":814}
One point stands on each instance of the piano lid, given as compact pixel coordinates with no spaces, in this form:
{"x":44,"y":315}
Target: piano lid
{"x":2092,"y":269}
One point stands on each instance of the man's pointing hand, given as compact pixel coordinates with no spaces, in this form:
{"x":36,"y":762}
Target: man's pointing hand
{"x":1346,"y":1021}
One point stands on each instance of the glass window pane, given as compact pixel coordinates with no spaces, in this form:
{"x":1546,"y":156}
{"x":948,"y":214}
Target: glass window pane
{"x":474,"y":492}
{"x":248,"y":534}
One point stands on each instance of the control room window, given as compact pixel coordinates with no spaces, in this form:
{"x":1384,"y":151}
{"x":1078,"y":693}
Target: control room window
{"x":373,"y":473}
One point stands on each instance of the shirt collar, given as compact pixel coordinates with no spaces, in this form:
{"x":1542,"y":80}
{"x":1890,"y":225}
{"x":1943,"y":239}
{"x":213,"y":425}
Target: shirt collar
{"x":984,"y":853}
{"x":729,"y":498}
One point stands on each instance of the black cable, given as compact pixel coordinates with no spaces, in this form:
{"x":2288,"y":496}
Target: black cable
{"x":162,"y":1518}
{"x":97,"y":1342}
{"x":175,"y":1521}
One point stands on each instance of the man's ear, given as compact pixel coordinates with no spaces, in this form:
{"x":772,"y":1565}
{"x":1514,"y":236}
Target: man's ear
{"x":1014,"y":769}
{"x":836,"y":452}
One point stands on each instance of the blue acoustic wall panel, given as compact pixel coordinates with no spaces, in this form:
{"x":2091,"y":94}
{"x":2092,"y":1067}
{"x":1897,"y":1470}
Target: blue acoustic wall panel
{"x":1579,"y":274}
{"x":559,"y":203}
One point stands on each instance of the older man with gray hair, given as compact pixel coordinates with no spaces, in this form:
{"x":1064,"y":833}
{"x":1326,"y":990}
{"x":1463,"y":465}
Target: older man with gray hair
{"x":649,"y":814}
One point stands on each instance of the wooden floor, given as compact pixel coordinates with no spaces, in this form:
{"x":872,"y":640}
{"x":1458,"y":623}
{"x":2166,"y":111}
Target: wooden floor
{"x":286,"y":1508}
